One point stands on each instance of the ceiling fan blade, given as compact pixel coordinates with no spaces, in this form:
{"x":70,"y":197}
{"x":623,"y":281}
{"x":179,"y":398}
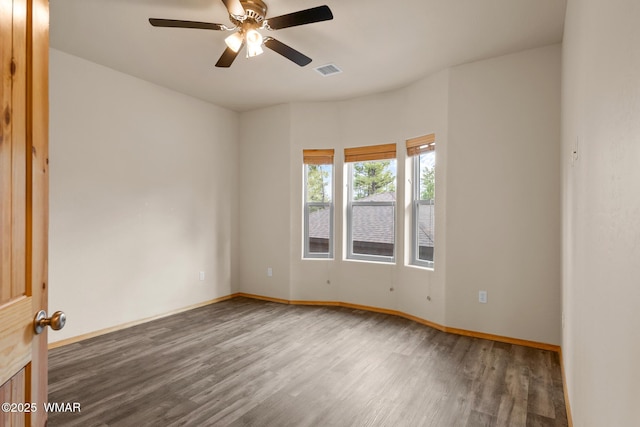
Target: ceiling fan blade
{"x":227,"y":57}
{"x":287,"y":51}
{"x":234,"y":7}
{"x":185,"y":24}
{"x":307,"y":16}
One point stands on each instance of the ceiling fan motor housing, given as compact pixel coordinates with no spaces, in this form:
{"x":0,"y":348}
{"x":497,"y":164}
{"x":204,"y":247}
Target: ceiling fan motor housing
{"x":255,"y":10}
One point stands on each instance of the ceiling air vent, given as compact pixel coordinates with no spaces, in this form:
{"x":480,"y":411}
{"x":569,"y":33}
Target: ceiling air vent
{"x":328,"y":70}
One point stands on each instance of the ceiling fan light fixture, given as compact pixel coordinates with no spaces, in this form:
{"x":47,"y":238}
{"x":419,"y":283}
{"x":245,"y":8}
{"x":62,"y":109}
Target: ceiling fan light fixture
{"x":234,"y":41}
{"x":254,"y":50}
{"x":254,"y":43}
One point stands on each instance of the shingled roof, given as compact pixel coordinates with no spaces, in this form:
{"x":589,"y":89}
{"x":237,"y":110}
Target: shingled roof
{"x":374,"y":223}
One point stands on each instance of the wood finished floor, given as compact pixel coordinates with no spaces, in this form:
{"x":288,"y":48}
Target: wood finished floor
{"x":245,"y":362}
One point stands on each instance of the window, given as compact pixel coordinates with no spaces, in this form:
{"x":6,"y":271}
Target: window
{"x":371,"y":204}
{"x":318,"y":203}
{"x":423,"y":152}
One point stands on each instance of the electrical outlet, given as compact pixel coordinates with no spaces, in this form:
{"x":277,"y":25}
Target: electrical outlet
{"x":201,"y":276}
{"x":482,"y":297}
{"x":269,"y":272}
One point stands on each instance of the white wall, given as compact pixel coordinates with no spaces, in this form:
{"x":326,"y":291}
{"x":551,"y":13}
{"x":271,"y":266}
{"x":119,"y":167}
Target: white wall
{"x":501,"y":118}
{"x":264,"y":196}
{"x":143,"y":197}
{"x":503,"y":183}
{"x":601,"y":210}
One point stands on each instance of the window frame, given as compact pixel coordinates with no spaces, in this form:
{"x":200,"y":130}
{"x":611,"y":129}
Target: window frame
{"x":416,"y":202}
{"x":306,"y":252}
{"x":349,"y":218}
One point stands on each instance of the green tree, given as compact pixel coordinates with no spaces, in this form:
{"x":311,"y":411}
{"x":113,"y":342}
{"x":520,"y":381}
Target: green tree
{"x":372,"y":178}
{"x":317,"y":184}
{"x":428,"y":183}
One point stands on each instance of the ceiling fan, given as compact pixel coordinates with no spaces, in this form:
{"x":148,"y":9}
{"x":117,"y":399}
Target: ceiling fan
{"x":248,"y":16}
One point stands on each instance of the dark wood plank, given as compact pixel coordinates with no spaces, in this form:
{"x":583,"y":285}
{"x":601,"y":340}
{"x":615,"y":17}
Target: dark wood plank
{"x":245,"y":362}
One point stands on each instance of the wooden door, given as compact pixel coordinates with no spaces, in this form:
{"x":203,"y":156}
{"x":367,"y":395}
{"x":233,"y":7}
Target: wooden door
{"x":24,"y":53}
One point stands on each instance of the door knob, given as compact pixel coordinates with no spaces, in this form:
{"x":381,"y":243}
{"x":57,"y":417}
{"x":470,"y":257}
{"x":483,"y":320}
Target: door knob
{"x":56,"y":322}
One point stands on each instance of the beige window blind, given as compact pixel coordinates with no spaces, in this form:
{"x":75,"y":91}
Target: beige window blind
{"x":421,"y":144}
{"x":318,"y":157}
{"x":371,"y":152}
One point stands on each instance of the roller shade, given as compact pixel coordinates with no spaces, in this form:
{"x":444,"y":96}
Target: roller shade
{"x":421,"y":144}
{"x":318,"y":157}
{"x":371,"y":152}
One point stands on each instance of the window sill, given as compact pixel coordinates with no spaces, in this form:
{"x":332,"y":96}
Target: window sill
{"x":421,"y":267}
{"x":370,"y":261}
{"x":317,"y":259}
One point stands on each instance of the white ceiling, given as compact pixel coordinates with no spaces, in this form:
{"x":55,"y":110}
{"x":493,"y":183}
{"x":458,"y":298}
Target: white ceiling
{"x":380,"y":45}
